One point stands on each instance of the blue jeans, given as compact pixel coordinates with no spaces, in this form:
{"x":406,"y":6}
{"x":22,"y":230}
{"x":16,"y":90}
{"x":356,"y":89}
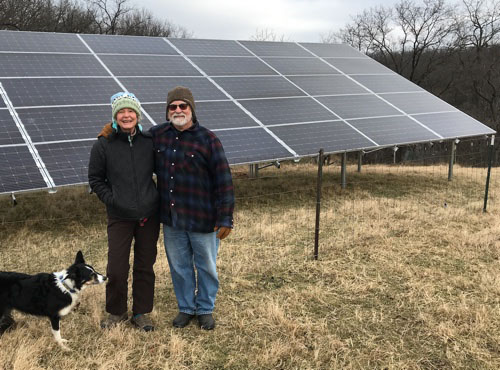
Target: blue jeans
{"x":187,"y":250}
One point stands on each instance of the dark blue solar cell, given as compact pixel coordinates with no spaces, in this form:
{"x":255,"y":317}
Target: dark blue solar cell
{"x":393,"y":130}
{"x":327,"y":85}
{"x":288,"y":110}
{"x":66,"y":162}
{"x":418,"y":102}
{"x":209,"y":47}
{"x":40,"y":65}
{"x":358,"y":65}
{"x":119,"y":44}
{"x":332,"y":50}
{"x":300,"y":66}
{"x":26,"y":92}
{"x":154,"y":90}
{"x":334,"y":136}
{"x":258,"y":87}
{"x":453,"y":124}
{"x":148,"y":65}
{"x":41,"y":42}
{"x":358,"y":106}
{"x":387,"y":83}
{"x":19,"y":171}
{"x":66,"y":123}
{"x":275,"y":49}
{"x":251,"y":145}
{"x":10,"y":132}
{"x":232,"y":66}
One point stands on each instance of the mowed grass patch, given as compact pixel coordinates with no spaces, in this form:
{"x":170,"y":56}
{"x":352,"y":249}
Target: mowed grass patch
{"x":407,"y":277}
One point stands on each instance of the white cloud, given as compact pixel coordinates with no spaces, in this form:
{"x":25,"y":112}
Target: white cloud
{"x":298,"y":20}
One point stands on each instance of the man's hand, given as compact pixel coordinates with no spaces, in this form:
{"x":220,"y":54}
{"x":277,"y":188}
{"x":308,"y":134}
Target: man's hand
{"x":222,"y":231}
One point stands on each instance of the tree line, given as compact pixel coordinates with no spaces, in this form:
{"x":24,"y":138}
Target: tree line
{"x":110,"y":17}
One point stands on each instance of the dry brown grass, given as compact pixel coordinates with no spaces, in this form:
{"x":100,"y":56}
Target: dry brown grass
{"x":402,"y":282}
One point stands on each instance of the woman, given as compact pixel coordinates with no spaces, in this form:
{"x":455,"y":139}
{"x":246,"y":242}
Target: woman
{"x":121,"y":174}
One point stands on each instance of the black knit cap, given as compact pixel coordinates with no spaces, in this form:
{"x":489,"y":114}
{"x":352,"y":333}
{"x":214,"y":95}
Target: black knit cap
{"x":184,"y":94}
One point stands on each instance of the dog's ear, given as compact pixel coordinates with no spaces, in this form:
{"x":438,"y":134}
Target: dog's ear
{"x":79,"y":258}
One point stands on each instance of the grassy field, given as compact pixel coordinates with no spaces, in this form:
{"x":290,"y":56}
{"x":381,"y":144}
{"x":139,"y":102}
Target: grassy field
{"x":408,"y":277}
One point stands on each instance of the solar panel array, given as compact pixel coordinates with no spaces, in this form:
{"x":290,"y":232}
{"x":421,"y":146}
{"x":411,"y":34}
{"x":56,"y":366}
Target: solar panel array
{"x":264,"y":100}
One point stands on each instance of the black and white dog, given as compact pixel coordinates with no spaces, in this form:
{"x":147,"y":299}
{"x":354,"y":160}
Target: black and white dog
{"x":52,"y":295}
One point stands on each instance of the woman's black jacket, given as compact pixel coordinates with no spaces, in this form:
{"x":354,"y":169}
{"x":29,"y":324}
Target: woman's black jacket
{"x":121,"y":174}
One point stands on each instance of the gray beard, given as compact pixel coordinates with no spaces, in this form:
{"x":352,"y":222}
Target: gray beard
{"x":180,"y":121}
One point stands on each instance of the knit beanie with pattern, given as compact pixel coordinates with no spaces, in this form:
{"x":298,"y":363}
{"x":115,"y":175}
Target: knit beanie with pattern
{"x":125,"y":100}
{"x":184,"y":94}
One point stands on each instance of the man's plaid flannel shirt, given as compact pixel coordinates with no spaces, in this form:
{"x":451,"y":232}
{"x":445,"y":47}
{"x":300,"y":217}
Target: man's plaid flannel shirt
{"x":194,"y":179}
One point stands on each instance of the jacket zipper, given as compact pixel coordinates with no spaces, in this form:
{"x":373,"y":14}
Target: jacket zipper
{"x":134,"y":173}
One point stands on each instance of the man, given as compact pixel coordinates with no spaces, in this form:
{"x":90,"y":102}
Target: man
{"x":197,"y":201}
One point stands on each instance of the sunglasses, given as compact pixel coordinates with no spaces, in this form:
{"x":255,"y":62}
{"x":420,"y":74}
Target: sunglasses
{"x":173,"y":107}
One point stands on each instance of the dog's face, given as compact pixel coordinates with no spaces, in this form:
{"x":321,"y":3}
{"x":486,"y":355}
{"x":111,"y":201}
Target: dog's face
{"x":82,"y":274}
{"x":90,"y":276}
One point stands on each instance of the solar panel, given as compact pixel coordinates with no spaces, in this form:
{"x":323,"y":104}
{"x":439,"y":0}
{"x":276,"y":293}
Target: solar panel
{"x":258,"y":87}
{"x":40,"y":42}
{"x":299,"y":66}
{"x":19,"y":170}
{"x":332,"y":136}
{"x":451,"y":124}
{"x":288,"y":110}
{"x":192,"y":47}
{"x":10,"y":132}
{"x":251,"y":145}
{"x":327,"y":85}
{"x":35,"y":92}
{"x":356,"y":66}
{"x":155,"y":89}
{"x":417,"y":102}
{"x":66,"y":123}
{"x":66,"y":161}
{"x":392,"y":130}
{"x":265,"y":100}
{"x":275,"y":49}
{"x":358,"y":106}
{"x":102,"y":44}
{"x":21,"y":65}
{"x":148,"y":65}
{"x":232,"y":66}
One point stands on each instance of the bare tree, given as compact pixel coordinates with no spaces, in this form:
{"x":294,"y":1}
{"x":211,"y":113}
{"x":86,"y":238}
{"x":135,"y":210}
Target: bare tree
{"x":70,"y":16}
{"x":82,"y":16}
{"x":144,"y":23}
{"x":478,"y":25}
{"x":21,"y":15}
{"x":268,"y":34}
{"x":399,"y":37}
{"x":109,"y":13}
{"x":477,"y":37}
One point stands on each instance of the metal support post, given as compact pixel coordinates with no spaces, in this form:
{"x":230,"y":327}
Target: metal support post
{"x":253,"y":170}
{"x":360,"y":160}
{"x":343,"y":181}
{"x":318,"y":202}
{"x":490,"y":159}
{"x":452,"y":159}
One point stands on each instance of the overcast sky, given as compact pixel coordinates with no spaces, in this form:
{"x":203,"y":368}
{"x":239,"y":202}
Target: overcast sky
{"x":297,"y":20}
